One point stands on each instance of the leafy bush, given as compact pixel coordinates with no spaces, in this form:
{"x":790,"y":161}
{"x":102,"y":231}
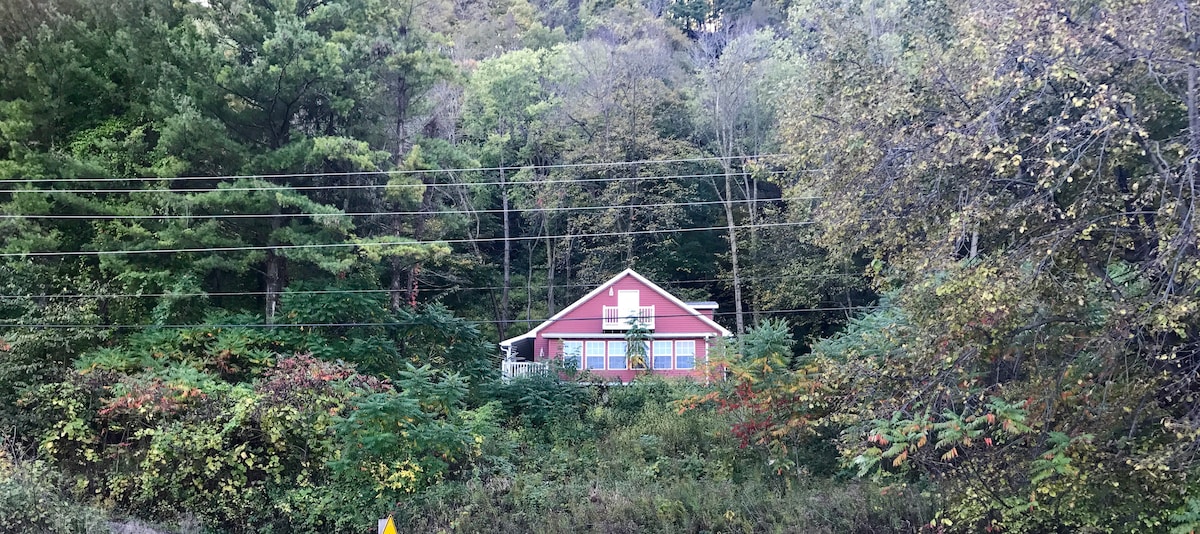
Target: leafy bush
{"x":233,"y":354}
{"x":31,"y":501}
{"x":310,"y":446}
{"x":401,"y":442}
{"x":539,"y":400}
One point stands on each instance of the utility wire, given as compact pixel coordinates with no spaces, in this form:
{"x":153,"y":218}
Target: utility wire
{"x":392,"y":323}
{"x":407,"y":213}
{"x":427,"y":288}
{"x":373,"y":244}
{"x":384,"y":185}
{"x":403,"y":171}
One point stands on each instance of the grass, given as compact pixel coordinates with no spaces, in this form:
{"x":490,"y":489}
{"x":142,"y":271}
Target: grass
{"x":630,"y":461}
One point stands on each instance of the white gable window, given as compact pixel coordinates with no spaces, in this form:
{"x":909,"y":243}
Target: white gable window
{"x":594,"y":355}
{"x":572,"y":353}
{"x":662,"y":354}
{"x":616,"y":355}
{"x":685,"y":354}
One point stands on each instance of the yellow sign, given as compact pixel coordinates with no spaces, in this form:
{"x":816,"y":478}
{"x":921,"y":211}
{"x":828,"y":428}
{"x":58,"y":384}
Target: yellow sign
{"x":389,"y":527}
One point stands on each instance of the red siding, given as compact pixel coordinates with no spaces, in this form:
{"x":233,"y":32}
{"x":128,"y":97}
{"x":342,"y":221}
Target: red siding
{"x":670,"y":320}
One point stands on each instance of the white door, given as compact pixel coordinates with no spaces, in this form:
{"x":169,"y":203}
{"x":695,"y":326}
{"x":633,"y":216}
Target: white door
{"x":628,"y":303}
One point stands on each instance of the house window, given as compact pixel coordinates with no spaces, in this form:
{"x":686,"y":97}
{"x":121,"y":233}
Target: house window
{"x":594,"y":354}
{"x":616,"y":355}
{"x":640,"y":364}
{"x":572,"y":352}
{"x":662,"y":354}
{"x":685,"y":354}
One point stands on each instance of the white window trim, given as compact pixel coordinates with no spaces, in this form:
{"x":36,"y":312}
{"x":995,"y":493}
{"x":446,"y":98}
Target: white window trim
{"x":685,"y":343}
{"x":603,"y":355}
{"x":689,"y":346}
{"x":625,"y":356}
{"x":580,"y":362}
{"x":670,"y":355}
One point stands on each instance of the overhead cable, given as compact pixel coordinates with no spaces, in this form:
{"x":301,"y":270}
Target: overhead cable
{"x":600,"y":164}
{"x":385,"y":323}
{"x":427,"y":288}
{"x":386,"y":244}
{"x":551,"y":209}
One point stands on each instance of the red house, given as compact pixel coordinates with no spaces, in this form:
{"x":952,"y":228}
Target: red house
{"x":590,"y":334}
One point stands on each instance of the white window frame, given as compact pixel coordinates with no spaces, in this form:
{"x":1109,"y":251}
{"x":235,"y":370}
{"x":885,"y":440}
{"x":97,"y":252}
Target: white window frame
{"x":689,"y":352}
{"x":669,"y":354}
{"x":576,"y":352}
{"x":589,"y":353}
{"x":624,"y":354}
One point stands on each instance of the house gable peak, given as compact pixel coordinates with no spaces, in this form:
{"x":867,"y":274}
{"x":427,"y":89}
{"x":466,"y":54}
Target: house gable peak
{"x":608,"y":284}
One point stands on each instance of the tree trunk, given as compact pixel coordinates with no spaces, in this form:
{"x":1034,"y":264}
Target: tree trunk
{"x":629,"y":219}
{"x":1193,"y":110}
{"x":402,"y":104}
{"x":475,"y":233}
{"x":274,"y":269}
{"x":502,"y":319}
{"x":1192,"y":163}
{"x":974,"y":242}
{"x":274,"y":284}
{"x":529,"y":283}
{"x":396,"y":290}
{"x":568,"y":255}
{"x":413,"y":286}
{"x":755,"y":270}
{"x":733,"y":248}
{"x":549,"y":275}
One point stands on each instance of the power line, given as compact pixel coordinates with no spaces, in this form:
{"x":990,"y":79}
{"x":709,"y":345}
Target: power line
{"x":372,"y":244}
{"x":396,"y":213}
{"x":369,"y":186}
{"x":427,"y":288}
{"x":391,"y":323}
{"x":404,"y":171}
{"x":385,"y":185}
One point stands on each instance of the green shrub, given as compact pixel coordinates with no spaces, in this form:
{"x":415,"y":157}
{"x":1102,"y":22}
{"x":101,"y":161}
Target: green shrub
{"x":311,"y":446}
{"x":540,"y":399}
{"x":31,"y":501}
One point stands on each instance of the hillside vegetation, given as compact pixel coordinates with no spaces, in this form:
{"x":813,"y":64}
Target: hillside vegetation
{"x":255,"y":257}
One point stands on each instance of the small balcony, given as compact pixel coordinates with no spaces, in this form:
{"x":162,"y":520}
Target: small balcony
{"x":616,"y":318}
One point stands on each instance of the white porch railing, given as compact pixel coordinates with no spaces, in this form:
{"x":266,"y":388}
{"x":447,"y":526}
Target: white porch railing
{"x":509,"y":370}
{"x":614,"y":319}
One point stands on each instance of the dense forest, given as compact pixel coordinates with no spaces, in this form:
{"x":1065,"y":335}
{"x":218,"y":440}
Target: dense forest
{"x":256,"y":255}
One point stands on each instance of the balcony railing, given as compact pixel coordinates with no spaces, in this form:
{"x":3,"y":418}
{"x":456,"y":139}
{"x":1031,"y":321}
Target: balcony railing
{"x":618,"y":319}
{"x":510,"y":370}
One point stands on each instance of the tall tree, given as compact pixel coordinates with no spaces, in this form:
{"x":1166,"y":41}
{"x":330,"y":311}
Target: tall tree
{"x":295,"y":80}
{"x":1023,"y":172}
{"x":507,"y":100}
{"x":732,"y":68}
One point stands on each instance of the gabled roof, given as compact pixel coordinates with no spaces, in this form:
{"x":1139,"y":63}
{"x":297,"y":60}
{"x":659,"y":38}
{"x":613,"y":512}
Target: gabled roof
{"x":600,"y":288}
